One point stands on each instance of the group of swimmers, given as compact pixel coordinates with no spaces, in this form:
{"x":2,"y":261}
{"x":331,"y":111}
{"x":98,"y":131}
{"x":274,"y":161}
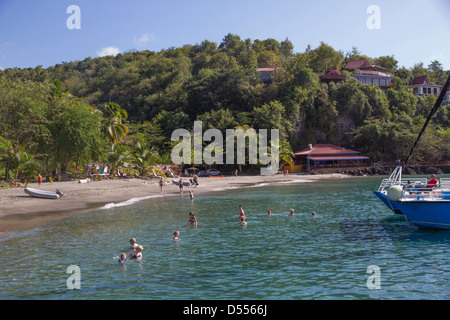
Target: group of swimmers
{"x":136,"y":254}
{"x":270,"y":213}
{"x":137,"y":249}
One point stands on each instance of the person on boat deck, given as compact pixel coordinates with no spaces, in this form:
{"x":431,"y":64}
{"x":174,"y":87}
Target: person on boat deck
{"x":137,"y":253}
{"x":433,"y":182}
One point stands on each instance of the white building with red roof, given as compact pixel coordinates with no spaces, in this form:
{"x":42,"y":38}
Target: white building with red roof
{"x":328,"y":156}
{"x":421,"y":87}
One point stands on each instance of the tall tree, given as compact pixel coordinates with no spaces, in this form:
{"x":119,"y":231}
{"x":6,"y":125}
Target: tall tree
{"x":115,"y":129}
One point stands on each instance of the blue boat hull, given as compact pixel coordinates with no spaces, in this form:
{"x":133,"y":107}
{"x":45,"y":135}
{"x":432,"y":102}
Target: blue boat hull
{"x":390,"y":204}
{"x":423,"y":214}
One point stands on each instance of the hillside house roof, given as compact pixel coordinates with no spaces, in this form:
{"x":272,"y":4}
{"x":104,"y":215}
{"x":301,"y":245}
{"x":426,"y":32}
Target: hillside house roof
{"x":420,"y":80}
{"x":359,"y":64}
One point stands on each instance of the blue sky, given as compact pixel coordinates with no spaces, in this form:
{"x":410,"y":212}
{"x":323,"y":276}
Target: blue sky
{"x":35,"y":33}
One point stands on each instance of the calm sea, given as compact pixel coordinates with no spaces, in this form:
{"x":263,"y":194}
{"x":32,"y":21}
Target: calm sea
{"x":272,"y":258}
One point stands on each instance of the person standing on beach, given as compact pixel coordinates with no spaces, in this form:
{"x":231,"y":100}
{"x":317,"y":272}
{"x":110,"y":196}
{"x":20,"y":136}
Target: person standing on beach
{"x":161,"y":183}
{"x":39,"y":179}
{"x":195,"y":179}
{"x":191,"y":195}
{"x":180,"y":184}
{"x":236,"y":173}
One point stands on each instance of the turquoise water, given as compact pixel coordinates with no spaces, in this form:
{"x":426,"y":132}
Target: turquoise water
{"x":273,"y":257}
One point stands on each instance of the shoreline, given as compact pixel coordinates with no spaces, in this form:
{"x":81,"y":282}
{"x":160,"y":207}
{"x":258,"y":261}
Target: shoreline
{"x":20,"y":212}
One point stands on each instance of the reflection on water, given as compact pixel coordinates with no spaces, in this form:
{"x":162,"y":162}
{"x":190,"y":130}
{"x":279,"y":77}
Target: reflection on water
{"x":273,"y":257}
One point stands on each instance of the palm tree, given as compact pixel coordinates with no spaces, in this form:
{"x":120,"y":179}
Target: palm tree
{"x":115,"y":129}
{"x":23,"y":159}
{"x":285,"y":153}
{"x":117,"y":158}
{"x":145,"y":160}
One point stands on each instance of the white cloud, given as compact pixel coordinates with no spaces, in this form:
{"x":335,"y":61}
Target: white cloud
{"x":145,"y":38}
{"x":108,"y":51}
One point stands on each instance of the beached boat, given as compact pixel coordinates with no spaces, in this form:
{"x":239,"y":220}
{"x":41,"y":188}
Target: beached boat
{"x":424,"y":206}
{"x":185,"y":183}
{"x":43,"y":194}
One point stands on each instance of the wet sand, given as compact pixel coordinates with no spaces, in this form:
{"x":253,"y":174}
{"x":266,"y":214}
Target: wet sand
{"x":19,"y":211}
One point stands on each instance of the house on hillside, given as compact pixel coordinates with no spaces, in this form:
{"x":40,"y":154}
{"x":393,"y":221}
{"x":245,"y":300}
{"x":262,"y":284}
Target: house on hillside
{"x":447,"y":96}
{"x":333,"y":75}
{"x":266,"y":74}
{"x":326,"y":156}
{"x":364,"y":72}
{"x":367,"y":73}
{"x":421,"y":87}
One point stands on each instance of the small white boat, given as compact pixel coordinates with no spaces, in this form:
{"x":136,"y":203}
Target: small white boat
{"x":43,"y":194}
{"x":185,"y":183}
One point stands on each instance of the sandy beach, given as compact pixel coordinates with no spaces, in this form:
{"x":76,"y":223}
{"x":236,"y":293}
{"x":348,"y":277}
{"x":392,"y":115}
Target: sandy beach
{"x":19,"y":211}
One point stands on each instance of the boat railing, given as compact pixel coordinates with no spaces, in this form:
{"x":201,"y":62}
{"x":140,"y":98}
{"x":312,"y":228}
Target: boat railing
{"x":417,"y":183}
{"x":444,"y":183}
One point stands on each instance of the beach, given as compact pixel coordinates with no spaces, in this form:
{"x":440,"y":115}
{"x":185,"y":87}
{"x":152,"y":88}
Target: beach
{"x":19,"y":211}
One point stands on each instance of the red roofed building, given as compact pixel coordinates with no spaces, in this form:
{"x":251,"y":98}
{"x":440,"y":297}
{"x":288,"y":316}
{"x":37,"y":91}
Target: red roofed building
{"x":367,"y":73}
{"x":421,"y":87}
{"x":266,"y":74}
{"x":327,"y":156}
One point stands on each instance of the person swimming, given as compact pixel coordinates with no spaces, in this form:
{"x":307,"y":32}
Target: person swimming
{"x":243,"y":223}
{"x":123,"y":258}
{"x":269,"y":213}
{"x":192,"y":219}
{"x":137,"y":253}
{"x":133,"y":243}
{"x":241,"y":212}
{"x":291,"y":213}
{"x":176,"y":234}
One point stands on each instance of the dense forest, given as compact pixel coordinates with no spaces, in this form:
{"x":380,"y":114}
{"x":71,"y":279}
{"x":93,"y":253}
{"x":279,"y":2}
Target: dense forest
{"x":123,"y":109}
